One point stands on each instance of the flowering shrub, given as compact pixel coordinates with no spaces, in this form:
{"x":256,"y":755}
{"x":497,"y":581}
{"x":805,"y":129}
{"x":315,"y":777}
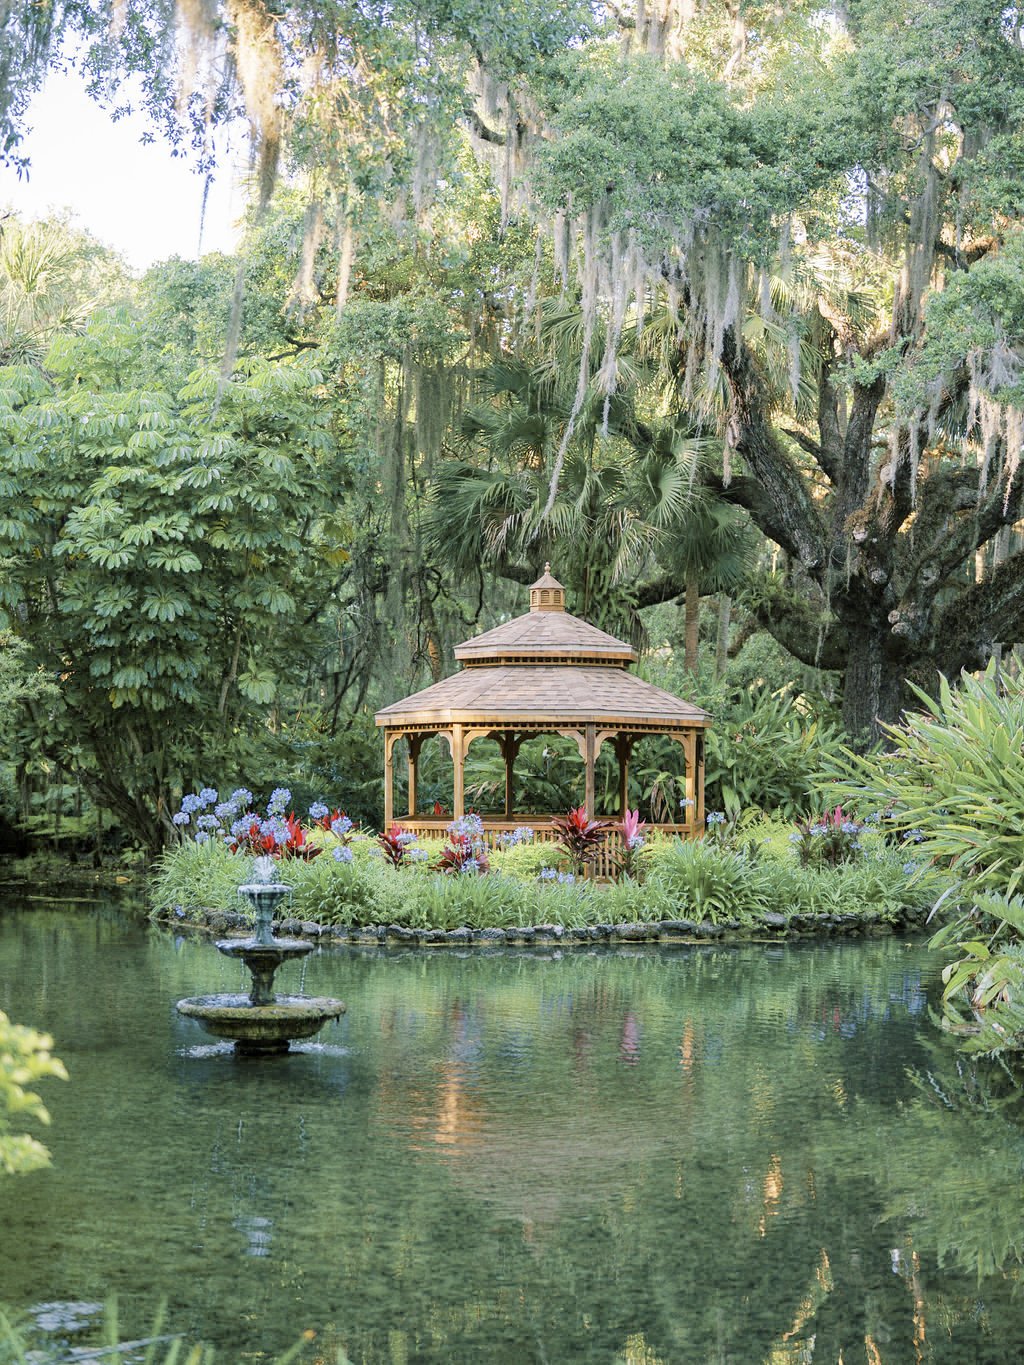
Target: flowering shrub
{"x":466,"y":849}
{"x":242,"y":829}
{"x":581,"y":838}
{"x":831,"y":839}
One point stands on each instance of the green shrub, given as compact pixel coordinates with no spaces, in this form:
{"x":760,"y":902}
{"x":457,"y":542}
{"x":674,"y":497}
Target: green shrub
{"x":193,"y":877}
{"x":364,"y":891}
{"x":703,"y":880}
{"x":954,"y":772}
{"x":764,"y":752}
{"x":527,"y":861}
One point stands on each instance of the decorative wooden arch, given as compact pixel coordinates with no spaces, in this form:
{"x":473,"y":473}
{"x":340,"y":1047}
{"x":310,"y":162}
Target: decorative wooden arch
{"x":546,"y":672}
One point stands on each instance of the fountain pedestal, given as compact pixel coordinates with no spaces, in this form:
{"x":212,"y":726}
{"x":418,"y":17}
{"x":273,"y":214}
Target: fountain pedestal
{"x":262,"y":1022}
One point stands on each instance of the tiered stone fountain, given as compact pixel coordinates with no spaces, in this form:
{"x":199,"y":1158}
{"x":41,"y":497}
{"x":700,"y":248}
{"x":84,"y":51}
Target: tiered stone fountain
{"x":262,"y":1022}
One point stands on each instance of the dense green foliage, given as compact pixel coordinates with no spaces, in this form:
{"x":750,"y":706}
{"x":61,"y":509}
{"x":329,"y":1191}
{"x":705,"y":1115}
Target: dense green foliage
{"x":953,"y":776}
{"x":720,"y":308}
{"x":735,"y":880}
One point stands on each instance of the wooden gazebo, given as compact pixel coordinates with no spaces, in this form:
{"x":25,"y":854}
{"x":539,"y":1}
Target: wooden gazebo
{"x":545,"y":672}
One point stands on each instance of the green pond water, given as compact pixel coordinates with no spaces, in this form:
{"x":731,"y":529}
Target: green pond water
{"x":708,"y":1154}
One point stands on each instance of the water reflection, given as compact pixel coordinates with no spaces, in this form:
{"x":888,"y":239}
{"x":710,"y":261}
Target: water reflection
{"x":717,"y":1155}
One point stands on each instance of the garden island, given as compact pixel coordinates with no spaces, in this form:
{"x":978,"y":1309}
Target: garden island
{"x":525,"y":649}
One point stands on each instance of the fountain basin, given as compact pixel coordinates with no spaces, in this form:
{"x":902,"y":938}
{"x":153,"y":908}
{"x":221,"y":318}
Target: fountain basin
{"x":259,"y":1029}
{"x":263,"y":957}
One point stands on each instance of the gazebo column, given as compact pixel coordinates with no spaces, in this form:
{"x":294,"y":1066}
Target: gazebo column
{"x":509,"y":744}
{"x":699,"y":745}
{"x":390,"y":739}
{"x":589,"y":757}
{"x":459,"y":764}
{"x":694,"y":789}
{"x":623,"y":750}
{"x":415,"y":744}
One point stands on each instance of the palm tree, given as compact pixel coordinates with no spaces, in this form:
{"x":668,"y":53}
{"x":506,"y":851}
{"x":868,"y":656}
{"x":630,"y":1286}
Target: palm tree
{"x":630,"y":504}
{"x":51,"y":279}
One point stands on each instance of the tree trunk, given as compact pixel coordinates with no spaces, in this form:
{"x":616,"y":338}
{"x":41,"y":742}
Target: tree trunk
{"x":691,"y":619}
{"x":722,"y":636}
{"x":873,"y":690}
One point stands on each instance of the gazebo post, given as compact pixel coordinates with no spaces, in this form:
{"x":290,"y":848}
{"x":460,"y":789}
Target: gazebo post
{"x":694,"y":789}
{"x":509,"y":749}
{"x":590,"y":755}
{"x":459,"y":761}
{"x":698,"y":741}
{"x":415,"y":743}
{"x":389,"y":778}
{"x":623,"y":748}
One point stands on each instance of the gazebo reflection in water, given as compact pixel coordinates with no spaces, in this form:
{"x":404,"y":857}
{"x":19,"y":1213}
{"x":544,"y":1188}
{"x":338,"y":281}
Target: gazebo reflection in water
{"x":543,"y":673}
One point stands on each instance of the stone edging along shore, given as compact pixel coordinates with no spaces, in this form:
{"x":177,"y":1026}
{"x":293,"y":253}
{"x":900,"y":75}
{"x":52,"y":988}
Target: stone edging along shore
{"x":682,"y":931}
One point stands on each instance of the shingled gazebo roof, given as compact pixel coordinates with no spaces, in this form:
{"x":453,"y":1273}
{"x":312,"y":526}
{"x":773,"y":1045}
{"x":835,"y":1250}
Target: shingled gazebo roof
{"x":545,"y":665}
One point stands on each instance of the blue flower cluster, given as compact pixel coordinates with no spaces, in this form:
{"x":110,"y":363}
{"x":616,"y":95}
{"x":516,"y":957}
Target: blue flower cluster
{"x":342,"y":854}
{"x":714,"y":817}
{"x":470,"y":825}
{"x":523,"y":835}
{"x":548,"y":874}
{"x":232,"y":820}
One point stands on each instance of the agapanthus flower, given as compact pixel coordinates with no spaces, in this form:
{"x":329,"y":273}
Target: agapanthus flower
{"x":341,"y":854}
{"x":715,"y":817}
{"x":202,"y":837}
{"x":208,"y":822}
{"x":225,"y":810}
{"x":208,"y":796}
{"x":181,"y":818}
{"x":241,"y":796}
{"x":191,"y":803}
{"x":279,"y":799}
{"x":318,"y":810}
{"x":341,"y":826}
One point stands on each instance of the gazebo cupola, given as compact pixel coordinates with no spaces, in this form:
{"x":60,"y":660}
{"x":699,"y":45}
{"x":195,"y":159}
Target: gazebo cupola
{"x":547,"y":594}
{"x":545,"y":672}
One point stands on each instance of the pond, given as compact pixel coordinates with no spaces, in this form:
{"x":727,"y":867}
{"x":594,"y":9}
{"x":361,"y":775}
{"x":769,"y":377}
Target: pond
{"x":713,"y":1154}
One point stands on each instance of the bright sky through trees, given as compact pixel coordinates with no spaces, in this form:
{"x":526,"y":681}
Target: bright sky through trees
{"x":135,"y":198}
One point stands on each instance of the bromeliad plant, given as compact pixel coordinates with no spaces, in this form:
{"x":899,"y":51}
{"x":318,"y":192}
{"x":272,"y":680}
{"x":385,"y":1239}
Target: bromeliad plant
{"x":630,"y":829}
{"x":581,"y":838}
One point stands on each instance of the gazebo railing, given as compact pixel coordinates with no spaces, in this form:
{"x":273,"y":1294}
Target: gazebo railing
{"x":436,"y":827}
